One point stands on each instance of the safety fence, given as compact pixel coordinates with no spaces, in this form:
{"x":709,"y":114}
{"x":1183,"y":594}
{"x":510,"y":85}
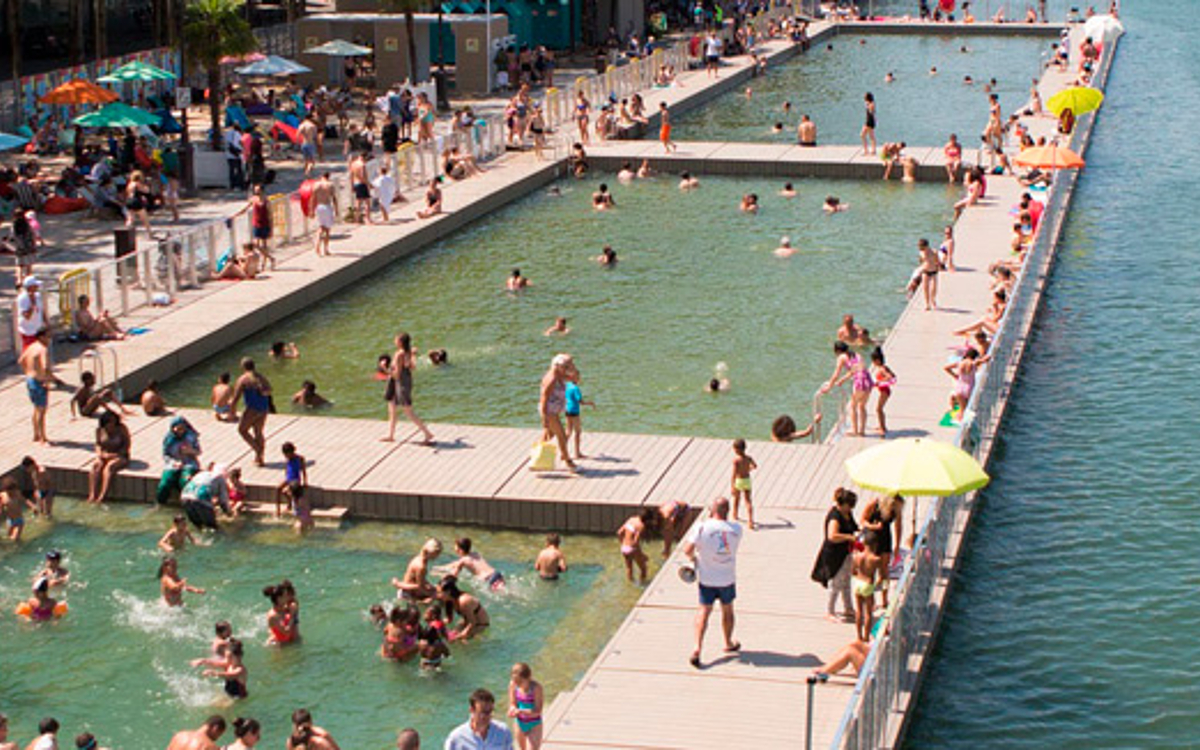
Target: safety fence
{"x":158,"y":269}
{"x":887,"y":678}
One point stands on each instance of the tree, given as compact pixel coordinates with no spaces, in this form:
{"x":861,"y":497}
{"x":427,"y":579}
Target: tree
{"x":408,"y":8}
{"x":100,"y":28}
{"x":13,"y":21}
{"x":213,"y":29}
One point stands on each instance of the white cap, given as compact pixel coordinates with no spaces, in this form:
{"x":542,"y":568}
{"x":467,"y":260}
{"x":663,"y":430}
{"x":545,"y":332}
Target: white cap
{"x":31,"y":281}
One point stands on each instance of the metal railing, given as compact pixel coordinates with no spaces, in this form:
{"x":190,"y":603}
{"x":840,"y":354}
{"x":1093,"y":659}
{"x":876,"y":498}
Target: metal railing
{"x":887,"y":675}
{"x":840,"y":395}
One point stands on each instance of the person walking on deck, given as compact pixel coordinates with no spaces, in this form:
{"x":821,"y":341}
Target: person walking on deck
{"x":712,"y":547}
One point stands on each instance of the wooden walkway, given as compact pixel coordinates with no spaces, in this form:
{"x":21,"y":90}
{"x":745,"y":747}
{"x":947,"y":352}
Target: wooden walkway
{"x":767,"y":160}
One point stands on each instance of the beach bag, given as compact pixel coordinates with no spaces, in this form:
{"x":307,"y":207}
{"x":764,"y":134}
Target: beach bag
{"x":541,"y":458}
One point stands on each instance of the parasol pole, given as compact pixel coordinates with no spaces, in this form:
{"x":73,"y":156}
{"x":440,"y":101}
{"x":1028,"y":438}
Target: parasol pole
{"x":487,"y":52}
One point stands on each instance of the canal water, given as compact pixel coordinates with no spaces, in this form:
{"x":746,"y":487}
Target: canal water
{"x":1064,"y":630}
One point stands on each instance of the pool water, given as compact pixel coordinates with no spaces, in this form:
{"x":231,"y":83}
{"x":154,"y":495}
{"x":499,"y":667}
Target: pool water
{"x":828,"y":85}
{"x":697,"y":285}
{"x":1071,"y":623}
{"x":117,"y":663}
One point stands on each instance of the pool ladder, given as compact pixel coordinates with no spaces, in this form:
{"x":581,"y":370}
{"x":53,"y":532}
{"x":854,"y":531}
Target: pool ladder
{"x":841,"y":396}
{"x":92,"y":360}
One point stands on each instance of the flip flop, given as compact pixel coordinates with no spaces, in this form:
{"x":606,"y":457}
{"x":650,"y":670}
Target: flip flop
{"x":695,"y":661}
{"x":734,"y":648}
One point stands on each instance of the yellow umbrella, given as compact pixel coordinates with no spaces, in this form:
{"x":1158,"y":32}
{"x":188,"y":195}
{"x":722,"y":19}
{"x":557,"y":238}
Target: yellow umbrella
{"x":915,"y":466}
{"x":1049,"y":157}
{"x":1078,"y":99}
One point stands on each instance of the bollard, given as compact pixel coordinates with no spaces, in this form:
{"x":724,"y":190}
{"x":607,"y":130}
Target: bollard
{"x":808,"y":720}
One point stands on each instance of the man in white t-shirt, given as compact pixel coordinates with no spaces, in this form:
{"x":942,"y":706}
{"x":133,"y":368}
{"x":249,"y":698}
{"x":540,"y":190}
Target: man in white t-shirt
{"x":712,"y":546}
{"x":712,"y":53}
{"x":31,"y":315}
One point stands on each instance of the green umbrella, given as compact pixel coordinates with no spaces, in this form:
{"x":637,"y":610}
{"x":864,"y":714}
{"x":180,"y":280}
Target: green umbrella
{"x":137,"y":71}
{"x":117,"y":115}
{"x":1078,"y":99}
{"x":339,"y":48}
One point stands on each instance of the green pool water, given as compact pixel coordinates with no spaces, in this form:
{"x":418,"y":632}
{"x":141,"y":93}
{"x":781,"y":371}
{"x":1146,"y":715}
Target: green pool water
{"x":117,"y":664}
{"x":697,"y":285}
{"x":828,"y":85}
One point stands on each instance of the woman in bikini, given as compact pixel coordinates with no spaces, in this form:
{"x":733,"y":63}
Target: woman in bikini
{"x":630,"y":534}
{"x":851,"y":367}
{"x":582,"y":114}
{"x":399,"y":635}
{"x":930,"y":266}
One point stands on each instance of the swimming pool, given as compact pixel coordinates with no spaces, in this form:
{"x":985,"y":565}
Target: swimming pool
{"x":921,"y":109}
{"x":117,"y":664}
{"x":697,"y":285}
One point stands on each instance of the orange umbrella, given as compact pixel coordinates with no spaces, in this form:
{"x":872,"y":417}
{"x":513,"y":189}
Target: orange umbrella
{"x":79,"y":91}
{"x":1049,"y":157}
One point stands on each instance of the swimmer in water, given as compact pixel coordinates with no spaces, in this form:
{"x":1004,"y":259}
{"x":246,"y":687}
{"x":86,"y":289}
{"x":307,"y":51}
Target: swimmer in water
{"x":41,"y":604}
{"x":717,"y":385}
{"x":777,"y":127}
{"x":432,"y":637}
{"x":968,"y":81}
{"x":177,"y":537}
{"x":439,"y":357}
{"x":626,"y":175}
{"x":308,"y":397}
{"x":171,"y":585}
{"x":749,"y":93}
{"x":688,"y":182}
{"x":516,"y":281}
{"x":474,"y":562}
{"x":644,"y":171}
{"x":474,"y":617}
{"x":53,"y":572}
{"x":783,"y":429}
{"x":233,"y":671}
{"x":890,"y":77}
{"x":558,"y":329}
{"x":785,"y":249}
{"x":933,"y":70}
{"x":607,"y":256}
{"x":282,"y":623}
{"x":551,"y":562}
{"x":963,"y":49}
{"x":378,"y":615}
{"x":383,"y":367}
{"x":415,"y":584}
{"x":787,"y":107}
{"x":749,"y":204}
{"x":281,"y":350}
{"x":602,"y":200}
{"x":834,"y":205}
{"x":788,"y":190}
{"x":219,"y":649}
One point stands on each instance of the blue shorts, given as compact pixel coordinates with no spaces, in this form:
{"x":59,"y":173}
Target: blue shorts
{"x":262,"y":233}
{"x":309,"y":150}
{"x":16,"y":523}
{"x":723,"y":594}
{"x":37,"y":392}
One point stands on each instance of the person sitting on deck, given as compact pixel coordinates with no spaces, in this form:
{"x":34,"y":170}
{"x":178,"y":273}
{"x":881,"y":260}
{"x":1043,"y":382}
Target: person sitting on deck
{"x":95,"y":327}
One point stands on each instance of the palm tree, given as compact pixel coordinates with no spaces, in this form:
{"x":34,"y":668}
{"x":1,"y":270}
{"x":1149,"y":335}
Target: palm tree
{"x":407,"y":7}
{"x":213,"y":29}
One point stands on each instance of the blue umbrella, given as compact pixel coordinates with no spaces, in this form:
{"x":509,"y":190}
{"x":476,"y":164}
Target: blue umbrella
{"x":8,"y":140}
{"x":273,"y":65}
{"x":339,"y":48}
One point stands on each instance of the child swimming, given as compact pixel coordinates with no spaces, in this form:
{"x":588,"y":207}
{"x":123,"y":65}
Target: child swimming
{"x":177,"y":537}
{"x":474,"y":562}
{"x":551,"y":562}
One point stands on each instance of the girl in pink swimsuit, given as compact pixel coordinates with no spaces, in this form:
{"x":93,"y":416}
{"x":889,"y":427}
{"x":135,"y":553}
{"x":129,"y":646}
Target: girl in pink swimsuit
{"x":885,"y":379}
{"x":850,"y":366}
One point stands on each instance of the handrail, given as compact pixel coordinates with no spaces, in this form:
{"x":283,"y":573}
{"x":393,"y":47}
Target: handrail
{"x":841,"y":394}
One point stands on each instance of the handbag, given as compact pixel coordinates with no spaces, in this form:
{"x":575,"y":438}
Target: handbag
{"x":542,"y":457}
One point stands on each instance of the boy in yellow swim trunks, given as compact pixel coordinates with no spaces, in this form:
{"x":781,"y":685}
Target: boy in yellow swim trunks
{"x":742,"y":466}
